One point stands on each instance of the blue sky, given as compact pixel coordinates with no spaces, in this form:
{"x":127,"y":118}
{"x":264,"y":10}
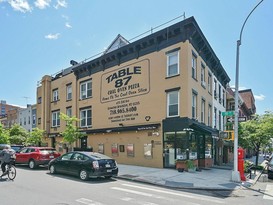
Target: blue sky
{"x":40,"y":37}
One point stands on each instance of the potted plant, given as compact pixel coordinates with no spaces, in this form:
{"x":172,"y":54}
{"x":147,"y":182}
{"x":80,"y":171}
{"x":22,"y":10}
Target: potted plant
{"x":190,"y":165}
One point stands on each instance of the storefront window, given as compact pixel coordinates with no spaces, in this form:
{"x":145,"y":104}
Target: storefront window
{"x":192,"y":145}
{"x":208,"y":147}
{"x":182,"y":150}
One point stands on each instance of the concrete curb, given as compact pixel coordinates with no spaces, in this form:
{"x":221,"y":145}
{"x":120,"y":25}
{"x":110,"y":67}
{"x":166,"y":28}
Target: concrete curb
{"x":177,"y":187}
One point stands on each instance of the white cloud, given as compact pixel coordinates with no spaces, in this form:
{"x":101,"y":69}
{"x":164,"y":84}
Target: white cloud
{"x":260,"y":97}
{"x":53,"y":36}
{"x":20,"y":5}
{"x":68,"y":25}
{"x":60,"y":3}
{"x":42,"y":4}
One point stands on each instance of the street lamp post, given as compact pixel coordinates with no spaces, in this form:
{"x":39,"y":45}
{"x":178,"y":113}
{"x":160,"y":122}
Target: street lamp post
{"x":235,"y":174}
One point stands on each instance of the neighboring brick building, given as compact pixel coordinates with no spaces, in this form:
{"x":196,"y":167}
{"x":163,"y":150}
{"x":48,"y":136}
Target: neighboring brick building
{"x":147,"y":102}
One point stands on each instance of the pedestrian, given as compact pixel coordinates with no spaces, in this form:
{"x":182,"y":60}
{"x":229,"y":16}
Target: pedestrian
{"x":6,"y":155}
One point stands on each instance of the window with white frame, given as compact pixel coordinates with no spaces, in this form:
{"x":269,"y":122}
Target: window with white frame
{"x":69,"y":92}
{"x":173,"y":103}
{"x":86,"y":89}
{"x":86,"y":117}
{"x":209,"y":115}
{"x":173,"y":63}
{"x":69,"y":111}
{"x":34,"y":119}
{"x":203,"y":111}
{"x":194,"y":65}
{"x":203,"y":83}
{"x":194,"y":105}
{"x":219,"y":93}
{"x":55,"y":95}
{"x":224,"y":98}
{"x":215,"y":89}
{"x":209,"y":82}
{"x":220,"y":121}
{"x":55,"y":118}
{"x":215,"y":117}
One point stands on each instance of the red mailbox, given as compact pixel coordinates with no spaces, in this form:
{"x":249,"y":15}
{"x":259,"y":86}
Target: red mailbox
{"x":241,"y":154}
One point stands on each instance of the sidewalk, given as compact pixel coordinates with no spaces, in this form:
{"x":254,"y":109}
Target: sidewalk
{"x":209,"y":179}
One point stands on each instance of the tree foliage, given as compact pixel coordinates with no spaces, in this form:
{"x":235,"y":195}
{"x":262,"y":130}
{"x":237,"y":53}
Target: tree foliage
{"x":4,"y":135}
{"x":17,"y":134}
{"x":257,"y":132}
{"x":71,"y":132}
{"x":35,"y":137}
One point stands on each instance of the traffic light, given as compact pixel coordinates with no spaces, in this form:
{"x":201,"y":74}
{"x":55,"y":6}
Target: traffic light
{"x":230,"y":135}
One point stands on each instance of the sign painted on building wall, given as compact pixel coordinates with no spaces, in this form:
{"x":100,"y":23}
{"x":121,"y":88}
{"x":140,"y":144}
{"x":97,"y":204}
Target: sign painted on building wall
{"x":126,"y":82}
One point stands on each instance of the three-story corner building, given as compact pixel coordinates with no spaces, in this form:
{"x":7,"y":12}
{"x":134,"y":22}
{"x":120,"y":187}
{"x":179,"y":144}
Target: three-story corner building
{"x":147,"y":102}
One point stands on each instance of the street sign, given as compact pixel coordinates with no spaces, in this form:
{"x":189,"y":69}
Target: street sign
{"x":228,"y":113}
{"x":230,"y":119}
{"x":241,"y":119}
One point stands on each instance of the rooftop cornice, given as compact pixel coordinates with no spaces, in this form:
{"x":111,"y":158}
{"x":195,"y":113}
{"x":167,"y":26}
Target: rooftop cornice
{"x":187,"y":29}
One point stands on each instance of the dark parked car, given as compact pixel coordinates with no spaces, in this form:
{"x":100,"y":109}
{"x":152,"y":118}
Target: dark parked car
{"x":270,"y":167}
{"x":35,"y":156}
{"x":84,"y":165}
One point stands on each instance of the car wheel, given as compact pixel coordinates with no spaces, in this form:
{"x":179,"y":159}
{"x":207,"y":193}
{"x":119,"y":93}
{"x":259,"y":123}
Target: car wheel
{"x":84,"y":175}
{"x":52,"y":169}
{"x":32,"y":164}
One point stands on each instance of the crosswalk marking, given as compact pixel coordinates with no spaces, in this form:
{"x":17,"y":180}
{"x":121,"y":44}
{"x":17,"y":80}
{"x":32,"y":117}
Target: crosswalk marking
{"x":268,"y":194}
{"x":88,"y":201}
{"x":192,"y":196}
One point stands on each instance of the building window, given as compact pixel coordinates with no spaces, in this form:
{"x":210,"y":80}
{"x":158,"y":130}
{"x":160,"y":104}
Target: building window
{"x":220,"y":93}
{"x":39,"y":100}
{"x":194,"y":105}
{"x":69,"y":92}
{"x":209,"y":116}
{"x":194,"y":65}
{"x":220,"y":121}
{"x":86,"y":89}
{"x":33,"y":119}
{"x":86,"y":117}
{"x":203,"y":77}
{"x":203,"y":111}
{"x":69,"y":111}
{"x":209,"y":82}
{"x":173,"y":103}
{"x":55,"y":95}
{"x":215,"y":117}
{"x":56,"y":119}
{"x":215,"y":89}
{"x":172,"y":63}
{"x":223,"y":98}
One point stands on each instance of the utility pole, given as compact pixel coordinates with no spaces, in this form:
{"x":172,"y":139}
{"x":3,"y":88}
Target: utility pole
{"x":235,"y":174}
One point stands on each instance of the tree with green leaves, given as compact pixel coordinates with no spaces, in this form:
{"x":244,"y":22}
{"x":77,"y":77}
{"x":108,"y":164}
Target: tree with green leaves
{"x":4,"y":135}
{"x":257,"y":132}
{"x":35,"y":137}
{"x":18,"y":134}
{"x":71,"y":132}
